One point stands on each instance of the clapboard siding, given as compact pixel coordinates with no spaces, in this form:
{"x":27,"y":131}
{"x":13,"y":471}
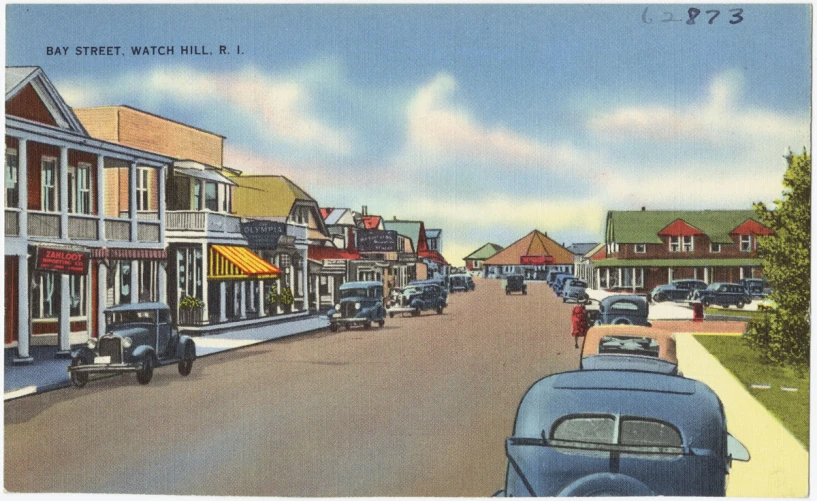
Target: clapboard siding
{"x":159,"y":135}
{"x":100,"y":123}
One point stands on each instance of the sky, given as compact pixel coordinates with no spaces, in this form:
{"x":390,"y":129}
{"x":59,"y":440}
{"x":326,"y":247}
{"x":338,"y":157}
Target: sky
{"x":487,"y":121}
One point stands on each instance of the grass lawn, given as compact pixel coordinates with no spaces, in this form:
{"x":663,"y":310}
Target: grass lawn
{"x":732,"y":312}
{"x":790,"y":407}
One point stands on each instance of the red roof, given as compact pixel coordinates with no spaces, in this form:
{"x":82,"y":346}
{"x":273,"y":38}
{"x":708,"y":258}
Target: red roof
{"x":600,"y":254}
{"x":322,"y":253}
{"x":325,"y":212}
{"x":680,"y":228}
{"x":371,"y":222}
{"x":434,"y":256}
{"x":752,"y":227}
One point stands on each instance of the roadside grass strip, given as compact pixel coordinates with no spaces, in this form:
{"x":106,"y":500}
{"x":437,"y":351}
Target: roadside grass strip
{"x":781,"y":390}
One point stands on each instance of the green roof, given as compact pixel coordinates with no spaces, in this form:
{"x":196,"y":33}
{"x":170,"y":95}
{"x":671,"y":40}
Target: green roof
{"x":409,"y":229}
{"x":642,"y":227}
{"x":677,"y":263}
{"x":484,"y":252}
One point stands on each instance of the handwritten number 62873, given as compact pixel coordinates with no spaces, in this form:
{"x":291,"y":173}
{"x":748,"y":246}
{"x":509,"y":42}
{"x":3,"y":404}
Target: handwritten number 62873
{"x":693,"y":13}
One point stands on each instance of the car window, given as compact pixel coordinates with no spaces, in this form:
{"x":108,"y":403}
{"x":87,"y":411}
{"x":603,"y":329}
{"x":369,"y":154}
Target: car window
{"x":682,"y":285}
{"x":588,"y":429}
{"x":131,"y":316}
{"x":628,"y":345}
{"x":164,"y":316}
{"x":630,"y":435}
{"x":624,"y":306}
{"x":648,"y":432}
{"x":353,"y":293}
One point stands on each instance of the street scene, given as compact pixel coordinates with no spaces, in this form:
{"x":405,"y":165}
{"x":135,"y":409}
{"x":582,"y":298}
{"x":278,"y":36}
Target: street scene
{"x":407,"y":250}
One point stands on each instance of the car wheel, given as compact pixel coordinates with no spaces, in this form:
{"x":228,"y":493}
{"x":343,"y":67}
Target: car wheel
{"x":347,"y":327}
{"x":333,"y":327}
{"x":391,"y":315}
{"x":415,"y":312}
{"x":740,"y":304}
{"x":607,"y":485}
{"x":564,"y":299}
{"x":367,"y":325}
{"x":145,"y":373}
{"x":381,"y":323}
{"x":440,"y":310}
{"x":186,"y":365}
{"x":79,"y":379}
{"x":524,"y":292}
{"x":507,"y":292}
{"x":660,"y":297}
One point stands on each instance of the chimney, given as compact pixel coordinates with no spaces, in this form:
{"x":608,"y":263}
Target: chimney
{"x":395,"y":218}
{"x":643,"y":209}
{"x":365,"y":210}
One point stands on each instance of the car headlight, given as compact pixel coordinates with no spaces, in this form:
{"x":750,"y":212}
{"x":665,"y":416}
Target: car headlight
{"x":337,"y":306}
{"x":91,"y":344}
{"x":127,"y":342}
{"x":357,"y":306}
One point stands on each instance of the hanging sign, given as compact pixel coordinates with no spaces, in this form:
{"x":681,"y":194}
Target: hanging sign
{"x":62,"y":261}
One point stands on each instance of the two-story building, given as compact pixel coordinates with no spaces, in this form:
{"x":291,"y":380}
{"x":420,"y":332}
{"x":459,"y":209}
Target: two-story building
{"x":649,"y":248}
{"x":334,"y":257}
{"x":430,"y":263}
{"x":213,"y":277}
{"x":84,"y":223}
{"x":474,"y":260}
{"x":533,"y":255}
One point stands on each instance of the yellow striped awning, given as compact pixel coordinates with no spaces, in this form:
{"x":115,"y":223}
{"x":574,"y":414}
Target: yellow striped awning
{"x":228,"y":262}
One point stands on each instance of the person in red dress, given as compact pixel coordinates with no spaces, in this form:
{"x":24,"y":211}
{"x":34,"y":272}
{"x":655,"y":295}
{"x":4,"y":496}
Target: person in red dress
{"x":579,"y":323}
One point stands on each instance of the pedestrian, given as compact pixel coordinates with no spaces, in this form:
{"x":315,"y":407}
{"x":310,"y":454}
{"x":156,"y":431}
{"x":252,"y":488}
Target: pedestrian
{"x":579,"y":323}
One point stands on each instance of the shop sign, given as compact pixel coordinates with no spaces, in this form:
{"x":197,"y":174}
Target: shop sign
{"x":535,"y":260}
{"x":62,"y":261}
{"x":377,"y":240}
{"x":264,"y":234}
{"x":406,"y":257}
{"x":335,"y":262}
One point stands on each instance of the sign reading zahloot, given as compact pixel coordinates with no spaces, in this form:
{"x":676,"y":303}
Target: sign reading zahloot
{"x":62,"y":261}
{"x":377,"y":240}
{"x":264,"y":234}
{"x":535,"y":260}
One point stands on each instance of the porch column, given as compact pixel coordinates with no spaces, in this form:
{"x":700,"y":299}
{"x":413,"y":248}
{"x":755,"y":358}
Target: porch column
{"x":134,"y":282}
{"x":22,"y":197}
{"x":317,"y":292}
{"x":222,"y":293}
{"x":100,"y":196}
{"x":205,"y":291}
{"x":669,"y":275}
{"x":162,"y":173}
{"x":634,"y":280}
{"x":305,"y":279}
{"x":262,"y":300}
{"x":102,"y":281}
{"x":64,"y":322}
{"x":598,"y":278}
{"x":63,"y":192}
{"x":242,"y":304}
{"x":706,"y":274}
{"x":134,"y":228}
{"x":161,"y":281}
{"x":23,"y":320}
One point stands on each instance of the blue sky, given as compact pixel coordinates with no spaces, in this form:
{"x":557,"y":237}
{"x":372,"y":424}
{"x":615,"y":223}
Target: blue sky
{"x":484,"y":120}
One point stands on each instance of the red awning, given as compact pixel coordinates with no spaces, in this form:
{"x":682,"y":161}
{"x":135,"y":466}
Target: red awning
{"x":138,"y":254}
{"x":323,"y":253}
{"x":434,"y":256}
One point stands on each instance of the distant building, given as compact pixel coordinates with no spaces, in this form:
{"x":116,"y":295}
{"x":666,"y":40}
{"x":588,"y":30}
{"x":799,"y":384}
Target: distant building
{"x":474,"y":260}
{"x":533,"y":255}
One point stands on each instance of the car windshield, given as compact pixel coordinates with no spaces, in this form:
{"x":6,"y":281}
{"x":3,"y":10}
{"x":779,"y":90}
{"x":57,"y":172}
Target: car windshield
{"x":356,"y":292}
{"x":611,"y":432}
{"x":628,"y":345}
{"x":123,"y":317}
{"x":578,"y":283}
{"x":408,"y":291}
{"x":624,"y":306}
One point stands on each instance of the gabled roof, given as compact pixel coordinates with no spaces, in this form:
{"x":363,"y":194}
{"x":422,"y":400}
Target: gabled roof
{"x":433,"y":233}
{"x":534,"y":243}
{"x":19,"y":78}
{"x":372,"y":222}
{"x":415,"y":230}
{"x":597,"y":252}
{"x":271,"y":196}
{"x":581,"y":249}
{"x":643,"y":227}
{"x":345,"y":217}
{"x":484,"y":252}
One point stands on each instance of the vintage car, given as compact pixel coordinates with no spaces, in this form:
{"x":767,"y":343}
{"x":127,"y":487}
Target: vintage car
{"x":442,"y":283}
{"x":619,"y":433}
{"x":418,"y":298}
{"x":677,"y":290}
{"x":361,"y":303}
{"x":756,"y":287}
{"x":724,"y":294}
{"x":629,"y":347}
{"x":575,"y":290}
{"x":394,"y":296}
{"x":515,"y":283}
{"x":623,"y":309}
{"x":138,"y":338}
{"x":460,"y":283}
{"x":561,"y":280}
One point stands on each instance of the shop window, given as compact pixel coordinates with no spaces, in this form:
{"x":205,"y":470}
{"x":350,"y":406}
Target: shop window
{"x":45,"y":297}
{"x":77,"y":291}
{"x":48,"y":185}
{"x":124,"y":282}
{"x":12,"y":181}
{"x":146,"y":277}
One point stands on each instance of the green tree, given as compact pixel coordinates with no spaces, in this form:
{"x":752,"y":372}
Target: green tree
{"x":784,"y":336}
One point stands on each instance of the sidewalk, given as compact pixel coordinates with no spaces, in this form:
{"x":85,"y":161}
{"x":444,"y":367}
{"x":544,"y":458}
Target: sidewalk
{"x":48,"y":373}
{"x":779,"y":465}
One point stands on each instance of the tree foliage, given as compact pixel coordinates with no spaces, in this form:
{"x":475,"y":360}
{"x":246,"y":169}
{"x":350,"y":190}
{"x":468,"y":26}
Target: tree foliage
{"x":784,"y":336}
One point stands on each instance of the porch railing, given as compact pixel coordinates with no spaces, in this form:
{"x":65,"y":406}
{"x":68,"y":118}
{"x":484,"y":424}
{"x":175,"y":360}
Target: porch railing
{"x":202,"y":221}
{"x":12,"y":223}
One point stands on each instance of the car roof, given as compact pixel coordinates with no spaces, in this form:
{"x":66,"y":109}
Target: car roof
{"x":688,"y":404}
{"x":137,"y":307}
{"x":616,"y":297}
{"x":358,"y":285}
{"x":666,"y":339}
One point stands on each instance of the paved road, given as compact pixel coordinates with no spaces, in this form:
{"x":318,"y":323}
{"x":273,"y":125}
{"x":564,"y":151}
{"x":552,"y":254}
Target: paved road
{"x":420,"y":407}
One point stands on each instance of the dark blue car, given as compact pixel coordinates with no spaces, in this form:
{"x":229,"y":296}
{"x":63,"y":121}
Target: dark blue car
{"x":623,"y":309}
{"x":619,"y":433}
{"x":361,"y":303}
{"x":724,"y":294}
{"x":677,"y":290}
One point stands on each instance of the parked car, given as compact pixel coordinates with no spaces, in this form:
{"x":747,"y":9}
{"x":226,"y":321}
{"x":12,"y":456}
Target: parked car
{"x":575,"y":290}
{"x":561,"y":280}
{"x":439,"y":282}
{"x":623,"y":309}
{"x":551,"y":276}
{"x":629,"y":347}
{"x":138,"y":338}
{"x":418,"y":298}
{"x":394,"y":296}
{"x":515,"y":283}
{"x":677,"y":290}
{"x":619,"y":433}
{"x":361,"y":303}
{"x":462,"y":283}
{"x":471,"y":284}
{"x":724,"y":294}
{"x":756,"y":287}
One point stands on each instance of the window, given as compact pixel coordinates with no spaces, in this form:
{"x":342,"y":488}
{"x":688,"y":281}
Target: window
{"x":228,"y":199}
{"x":674,"y":244}
{"x":83,"y":187}
{"x":626,"y":434}
{"x":628,"y":345}
{"x":189,"y":272}
{"x":146,"y":273}
{"x":640,"y":248}
{"x":687,"y":244}
{"x":713,"y":247}
{"x":196,"y":204}
{"x":48,"y":184}
{"x":745,"y":243}
{"x":45,"y":300}
{"x":12,"y":181}
{"x":76,"y":287}
{"x":124,"y":282}
{"x":211,"y":196}
{"x":632,"y":277}
{"x":142,"y":195}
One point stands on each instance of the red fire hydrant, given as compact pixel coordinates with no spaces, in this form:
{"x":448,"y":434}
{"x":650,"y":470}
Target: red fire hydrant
{"x":579,"y":323}
{"x":697,"y":312}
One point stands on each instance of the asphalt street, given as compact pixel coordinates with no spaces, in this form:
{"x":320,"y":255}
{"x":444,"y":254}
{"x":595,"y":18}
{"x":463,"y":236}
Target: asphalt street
{"x":420,"y":407}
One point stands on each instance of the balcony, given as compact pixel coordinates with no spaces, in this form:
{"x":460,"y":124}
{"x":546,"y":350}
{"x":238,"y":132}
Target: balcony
{"x":44,"y":224}
{"x":83,"y":228}
{"x":208,"y":223}
{"x":12,"y":223}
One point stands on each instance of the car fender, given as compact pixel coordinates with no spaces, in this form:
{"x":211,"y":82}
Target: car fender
{"x":141,"y":351}
{"x":417,"y":304}
{"x":180,"y":347}
{"x":606,"y":484}
{"x":86,"y":354}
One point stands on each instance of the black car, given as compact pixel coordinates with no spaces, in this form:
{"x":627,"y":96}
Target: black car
{"x":756,"y":287}
{"x":677,"y":290}
{"x":515,"y":283}
{"x":138,"y":337}
{"x":418,"y":298}
{"x":724,"y":294}
{"x":361,"y":303}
